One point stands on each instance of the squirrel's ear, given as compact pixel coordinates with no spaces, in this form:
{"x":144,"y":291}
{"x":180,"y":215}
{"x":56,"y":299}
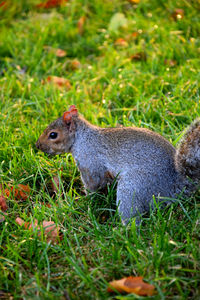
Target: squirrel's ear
{"x":73,"y":109}
{"x":67,"y":116}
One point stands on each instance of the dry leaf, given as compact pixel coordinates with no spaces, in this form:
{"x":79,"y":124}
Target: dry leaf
{"x":50,"y":230}
{"x":4,"y":5}
{"x":6,"y":296}
{"x":58,"y":81}
{"x":121,"y":42}
{"x":2,"y":219}
{"x":55,"y":184}
{"x":134,"y":34}
{"x":178,"y":14}
{"x":19,"y":221}
{"x":60,"y":53}
{"x":80,"y":24}
{"x":132,"y":284}
{"x":139,"y":56}
{"x":75,"y":64}
{"x":170,"y":62}
{"x":132,"y":37}
{"x":46,"y":204}
{"x":134,"y":1}
{"x":21,"y":192}
{"x":51,"y":3}
{"x":3,"y":205}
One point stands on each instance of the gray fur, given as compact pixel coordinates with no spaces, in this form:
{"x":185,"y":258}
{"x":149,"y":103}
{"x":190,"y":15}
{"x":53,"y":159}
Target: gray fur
{"x":144,"y":163}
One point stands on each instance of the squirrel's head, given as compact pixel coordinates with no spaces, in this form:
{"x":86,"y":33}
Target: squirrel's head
{"x":59,"y":136}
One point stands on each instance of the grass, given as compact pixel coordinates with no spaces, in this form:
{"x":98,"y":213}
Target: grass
{"x":109,"y":89}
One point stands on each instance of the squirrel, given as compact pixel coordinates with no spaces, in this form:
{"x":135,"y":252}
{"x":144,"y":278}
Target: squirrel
{"x":143,"y":162}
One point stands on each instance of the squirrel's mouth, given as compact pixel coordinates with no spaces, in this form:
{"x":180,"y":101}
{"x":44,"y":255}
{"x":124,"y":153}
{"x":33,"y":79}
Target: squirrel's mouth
{"x":44,"y":148}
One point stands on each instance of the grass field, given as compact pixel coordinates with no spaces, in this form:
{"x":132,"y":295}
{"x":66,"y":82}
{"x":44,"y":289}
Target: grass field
{"x":143,"y":73}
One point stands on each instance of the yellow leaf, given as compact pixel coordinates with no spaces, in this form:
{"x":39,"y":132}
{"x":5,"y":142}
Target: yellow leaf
{"x":134,"y":1}
{"x":130,"y":285}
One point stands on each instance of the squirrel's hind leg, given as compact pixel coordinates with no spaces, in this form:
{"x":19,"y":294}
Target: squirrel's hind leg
{"x":131,"y":196}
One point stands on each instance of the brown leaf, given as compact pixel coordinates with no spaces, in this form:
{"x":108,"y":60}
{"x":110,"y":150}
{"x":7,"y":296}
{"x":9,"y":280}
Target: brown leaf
{"x":57,"y":51}
{"x":75,"y":64}
{"x":19,"y":221}
{"x":178,"y":14}
{"x":2,"y":219}
{"x":50,"y":230}
{"x":4,"y":5}
{"x":5,"y":296}
{"x":135,"y":34}
{"x":59,"y":82}
{"x":139,"y":56}
{"x":46,"y":204}
{"x":134,"y":1}
{"x":3,"y":205}
{"x":60,"y":53}
{"x":51,"y":3}
{"x":55,"y":184}
{"x":132,"y":284}
{"x":170,"y":62}
{"x":121,"y":42}
{"x":21,"y":192}
{"x":80,"y":24}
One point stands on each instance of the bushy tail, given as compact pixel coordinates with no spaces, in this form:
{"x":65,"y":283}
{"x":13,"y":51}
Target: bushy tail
{"x":188,"y":153}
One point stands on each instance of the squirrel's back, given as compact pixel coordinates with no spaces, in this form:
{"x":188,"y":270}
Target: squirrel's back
{"x":142,"y":152}
{"x":132,"y":145}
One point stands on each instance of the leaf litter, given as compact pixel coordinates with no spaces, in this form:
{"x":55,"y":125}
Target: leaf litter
{"x":51,"y":231}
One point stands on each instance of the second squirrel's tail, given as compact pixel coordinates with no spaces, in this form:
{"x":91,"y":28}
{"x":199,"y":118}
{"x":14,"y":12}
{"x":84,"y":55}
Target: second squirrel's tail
{"x":187,"y":157}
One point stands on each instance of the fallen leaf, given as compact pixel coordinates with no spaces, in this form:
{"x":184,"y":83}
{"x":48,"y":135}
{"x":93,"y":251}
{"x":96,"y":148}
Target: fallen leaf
{"x":50,"y":230}
{"x":134,"y":1}
{"x":4,"y":5}
{"x":58,"y":81}
{"x":55,"y":184}
{"x":21,"y":192}
{"x":182,"y":38}
{"x":121,"y":42}
{"x":139,"y":56}
{"x":170,"y":62}
{"x":19,"y":221}
{"x":2,"y":219}
{"x":60,"y":53}
{"x":3,"y":205}
{"x":46,"y":204}
{"x":80,"y":24}
{"x":132,"y":284}
{"x":6,"y":296}
{"x":57,"y":51}
{"x":118,"y":20}
{"x":75,"y":64}
{"x":178,"y":14}
{"x":134,"y":34}
{"x":51,"y":3}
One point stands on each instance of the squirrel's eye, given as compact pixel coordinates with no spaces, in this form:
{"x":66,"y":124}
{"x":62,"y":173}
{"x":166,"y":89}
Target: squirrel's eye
{"x":53,"y":135}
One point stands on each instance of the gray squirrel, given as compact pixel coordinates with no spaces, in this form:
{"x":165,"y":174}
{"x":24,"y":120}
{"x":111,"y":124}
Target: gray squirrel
{"x":143,"y":162}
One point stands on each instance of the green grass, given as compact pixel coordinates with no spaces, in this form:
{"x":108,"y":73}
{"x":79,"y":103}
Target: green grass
{"x":109,"y":89}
